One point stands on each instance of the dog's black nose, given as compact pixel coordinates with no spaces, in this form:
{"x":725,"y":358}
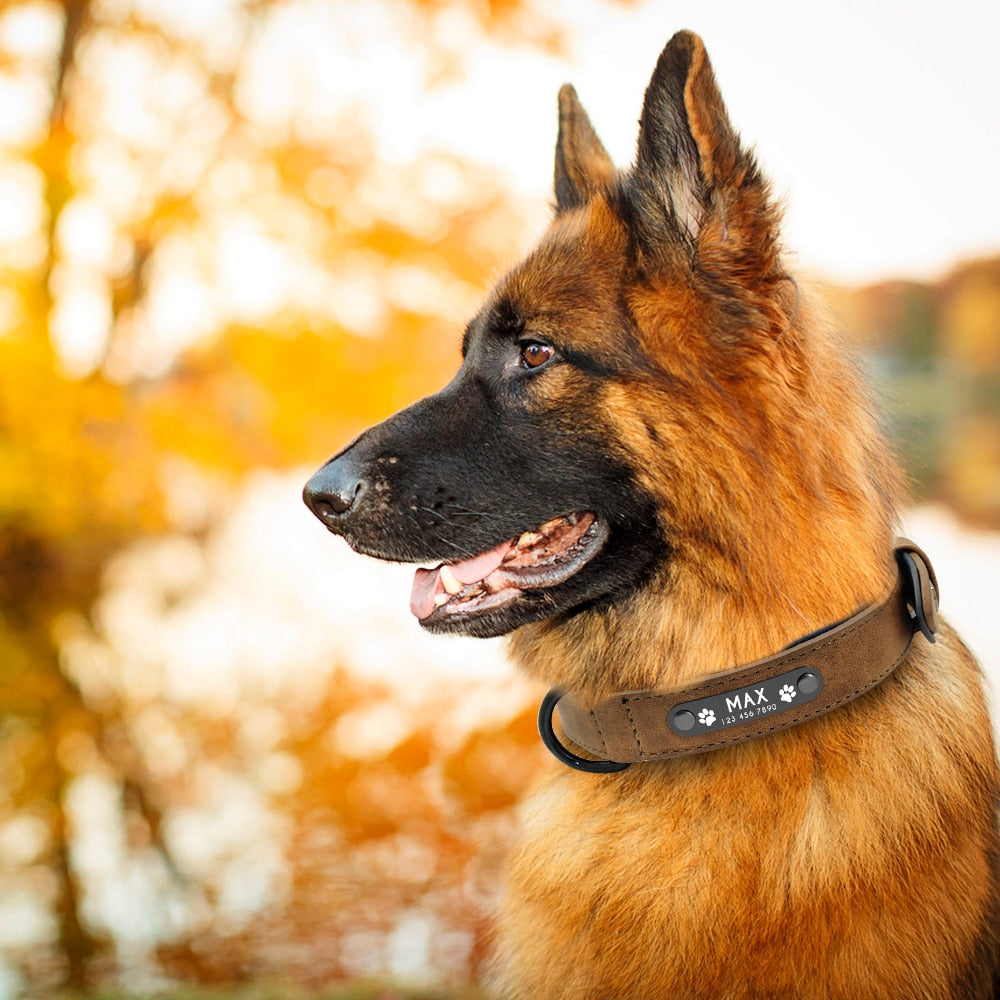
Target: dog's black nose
{"x":334,"y":491}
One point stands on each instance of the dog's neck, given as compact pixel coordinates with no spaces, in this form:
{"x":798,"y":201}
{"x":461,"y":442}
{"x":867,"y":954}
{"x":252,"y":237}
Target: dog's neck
{"x":818,"y":674}
{"x":772,"y":549}
{"x":654,"y":641}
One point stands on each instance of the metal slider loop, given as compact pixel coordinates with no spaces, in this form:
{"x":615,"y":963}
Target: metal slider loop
{"x":915,"y":596}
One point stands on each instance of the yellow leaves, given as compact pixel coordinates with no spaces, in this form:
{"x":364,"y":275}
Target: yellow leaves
{"x":505,"y":20}
{"x":53,"y":154}
{"x":215,"y":418}
{"x":70,"y":461}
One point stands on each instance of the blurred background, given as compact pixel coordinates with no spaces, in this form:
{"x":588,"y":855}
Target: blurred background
{"x":235,"y":232}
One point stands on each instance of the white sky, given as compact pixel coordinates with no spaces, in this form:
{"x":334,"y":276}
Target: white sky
{"x":878,"y":121}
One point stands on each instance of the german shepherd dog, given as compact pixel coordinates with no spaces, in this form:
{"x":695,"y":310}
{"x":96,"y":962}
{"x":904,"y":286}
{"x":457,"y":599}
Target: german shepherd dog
{"x":654,"y":465}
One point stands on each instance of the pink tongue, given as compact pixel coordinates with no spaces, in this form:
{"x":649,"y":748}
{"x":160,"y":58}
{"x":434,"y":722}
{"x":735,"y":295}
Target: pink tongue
{"x":480,"y":567}
{"x":427,"y":582}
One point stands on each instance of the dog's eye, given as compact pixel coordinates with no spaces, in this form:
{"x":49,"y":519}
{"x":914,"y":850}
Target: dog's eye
{"x":534,"y":354}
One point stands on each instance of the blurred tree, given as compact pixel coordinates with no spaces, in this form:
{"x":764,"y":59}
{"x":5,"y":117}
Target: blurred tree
{"x":891,"y":317}
{"x":971,"y":467}
{"x":918,"y":325}
{"x":205,"y":266}
{"x":970,"y":327}
{"x":936,"y":347}
{"x":970,"y":333}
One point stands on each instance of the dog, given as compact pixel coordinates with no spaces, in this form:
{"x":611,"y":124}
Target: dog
{"x":658,"y":472}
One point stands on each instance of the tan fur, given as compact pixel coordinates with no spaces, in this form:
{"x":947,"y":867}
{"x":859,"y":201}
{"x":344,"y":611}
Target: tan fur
{"x":846,"y":858}
{"x":853,"y":856}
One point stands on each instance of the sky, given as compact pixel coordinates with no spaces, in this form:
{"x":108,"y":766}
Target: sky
{"x":878,"y":122}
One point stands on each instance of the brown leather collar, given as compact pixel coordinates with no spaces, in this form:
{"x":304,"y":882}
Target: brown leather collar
{"x":815,"y":675}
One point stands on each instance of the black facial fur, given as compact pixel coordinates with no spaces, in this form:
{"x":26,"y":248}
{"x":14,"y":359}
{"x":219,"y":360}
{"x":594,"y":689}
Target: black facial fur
{"x":460,"y":472}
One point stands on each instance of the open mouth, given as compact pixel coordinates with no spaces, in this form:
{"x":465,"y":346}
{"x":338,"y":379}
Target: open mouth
{"x":535,"y":560}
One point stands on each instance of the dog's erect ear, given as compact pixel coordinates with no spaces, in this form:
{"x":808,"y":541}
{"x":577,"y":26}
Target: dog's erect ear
{"x":690,"y":169}
{"x":583,"y":167}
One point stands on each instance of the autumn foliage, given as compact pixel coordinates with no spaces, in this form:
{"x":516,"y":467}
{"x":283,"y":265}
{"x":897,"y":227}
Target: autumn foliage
{"x":204,"y":273}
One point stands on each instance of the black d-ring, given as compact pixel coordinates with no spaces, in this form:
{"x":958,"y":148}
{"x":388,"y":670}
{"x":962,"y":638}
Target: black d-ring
{"x":558,"y":751}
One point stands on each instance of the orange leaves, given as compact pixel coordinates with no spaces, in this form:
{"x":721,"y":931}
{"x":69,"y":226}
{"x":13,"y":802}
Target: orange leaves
{"x":496,"y":767}
{"x":210,"y":265}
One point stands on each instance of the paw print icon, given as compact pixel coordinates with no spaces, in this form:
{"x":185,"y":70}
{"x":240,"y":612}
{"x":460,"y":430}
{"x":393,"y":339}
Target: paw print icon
{"x":787,"y":693}
{"x":706,"y":717}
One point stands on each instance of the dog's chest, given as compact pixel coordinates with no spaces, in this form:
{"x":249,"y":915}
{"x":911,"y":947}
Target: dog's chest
{"x":616,"y":890}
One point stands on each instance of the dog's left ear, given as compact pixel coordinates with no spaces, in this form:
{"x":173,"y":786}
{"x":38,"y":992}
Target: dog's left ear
{"x":583,"y":167}
{"x":693,"y":184}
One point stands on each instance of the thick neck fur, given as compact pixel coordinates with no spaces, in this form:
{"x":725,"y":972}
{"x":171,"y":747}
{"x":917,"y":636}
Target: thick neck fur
{"x":778,"y":513}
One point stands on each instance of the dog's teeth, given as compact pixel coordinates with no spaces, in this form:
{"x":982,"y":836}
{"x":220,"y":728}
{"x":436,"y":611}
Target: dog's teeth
{"x":529,"y":538}
{"x":440,"y":599}
{"x":451,"y":584}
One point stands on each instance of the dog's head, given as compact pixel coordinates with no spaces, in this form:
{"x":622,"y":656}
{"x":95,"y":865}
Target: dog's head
{"x":610,"y":412}
{"x":510,"y":476}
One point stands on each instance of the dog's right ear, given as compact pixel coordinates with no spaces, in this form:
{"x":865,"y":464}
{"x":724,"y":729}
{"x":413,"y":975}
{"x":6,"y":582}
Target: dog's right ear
{"x":583,"y":167}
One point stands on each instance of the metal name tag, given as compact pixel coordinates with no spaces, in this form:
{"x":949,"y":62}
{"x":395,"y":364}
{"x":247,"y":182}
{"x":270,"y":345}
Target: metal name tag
{"x":747,"y":704}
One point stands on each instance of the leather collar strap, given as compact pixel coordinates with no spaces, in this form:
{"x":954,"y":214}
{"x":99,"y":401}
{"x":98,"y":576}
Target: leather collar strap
{"x":813,"y":676}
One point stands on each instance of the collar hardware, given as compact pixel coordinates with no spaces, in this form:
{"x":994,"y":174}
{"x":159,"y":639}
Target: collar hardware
{"x":815,"y":675}
{"x":561,"y":753}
